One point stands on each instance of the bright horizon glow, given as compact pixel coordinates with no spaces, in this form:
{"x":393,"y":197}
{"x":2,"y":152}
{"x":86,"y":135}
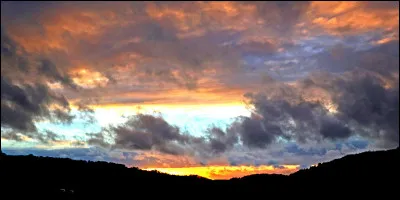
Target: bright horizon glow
{"x":227,"y":172}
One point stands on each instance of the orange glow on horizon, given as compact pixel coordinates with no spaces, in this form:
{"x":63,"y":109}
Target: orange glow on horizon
{"x":227,"y":172}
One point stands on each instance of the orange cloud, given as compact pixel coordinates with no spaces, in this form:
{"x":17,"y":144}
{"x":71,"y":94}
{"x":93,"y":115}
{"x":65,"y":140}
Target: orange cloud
{"x":61,"y":27}
{"x":194,"y":19}
{"x":76,"y":31}
{"x":153,"y":159}
{"x":87,"y":78}
{"x":139,"y":90}
{"x":385,"y":40}
{"x":227,"y":172}
{"x":352,"y":17}
{"x":174,"y":97}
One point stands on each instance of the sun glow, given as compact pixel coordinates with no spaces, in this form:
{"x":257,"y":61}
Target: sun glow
{"x":227,"y":172}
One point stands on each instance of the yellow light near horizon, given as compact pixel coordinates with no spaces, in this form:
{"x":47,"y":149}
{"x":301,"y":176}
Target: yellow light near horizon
{"x":227,"y":172}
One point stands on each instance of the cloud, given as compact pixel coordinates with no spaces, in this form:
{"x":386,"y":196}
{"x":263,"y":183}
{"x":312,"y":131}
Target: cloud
{"x":284,"y":15}
{"x":357,"y":99}
{"x":149,"y":38}
{"x":92,"y":154}
{"x":371,"y":105}
{"x":151,"y":159}
{"x":143,"y":132}
{"x":255,"y":134}
{"x":50,"y":70}
{"x":331,"y":128}
{"x":329,"y":104}
{"x":46,"y":137}
{"x":21,"y":105}
{"x":147,"y":132}
{"x":345,"y":105}
{"x":171,"y":45}
{"x":26,"y":97}
{"x":97,"y":139}
{"x":221,"y":141}
{"x":354,"y":17}
{"x":313,"y":73}
{"x":304,"y":155}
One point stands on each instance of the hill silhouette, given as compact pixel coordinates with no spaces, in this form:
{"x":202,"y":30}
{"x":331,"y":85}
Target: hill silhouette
{"x":364,"y":174}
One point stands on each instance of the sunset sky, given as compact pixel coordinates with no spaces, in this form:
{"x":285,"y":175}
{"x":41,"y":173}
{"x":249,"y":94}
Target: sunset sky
{"x":217,"y":89}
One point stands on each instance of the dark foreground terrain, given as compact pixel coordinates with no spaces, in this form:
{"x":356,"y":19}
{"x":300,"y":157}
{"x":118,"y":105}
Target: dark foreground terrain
{"x":373,"y":174}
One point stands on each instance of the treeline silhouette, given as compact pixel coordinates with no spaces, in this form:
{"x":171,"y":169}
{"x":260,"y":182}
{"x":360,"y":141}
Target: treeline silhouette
{"x":57,"y":178}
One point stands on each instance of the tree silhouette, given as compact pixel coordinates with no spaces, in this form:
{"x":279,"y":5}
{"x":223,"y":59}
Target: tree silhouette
{"x":33,"y":176}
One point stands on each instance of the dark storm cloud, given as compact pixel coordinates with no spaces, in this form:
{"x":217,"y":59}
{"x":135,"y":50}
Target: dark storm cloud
{"x":145,"y":132}
{"x":62,"y":116}
{"x":25,"y":97}
{"x":148,"y":132}
{"x":22,"y":105}
{"x":97,"y":139}
{"x":10,"y":135}
{"x":369,"y":104}
{"x":366,"y":96}
{"x":45,"y":137}
{"x":17,"y":119}
{"x":142,"y":132}
{"x":254,"y":133}
{"x":49,"y":69}
{"x":362,"y":103}
{"x":220,"y":141}
{"x":331,"y":128}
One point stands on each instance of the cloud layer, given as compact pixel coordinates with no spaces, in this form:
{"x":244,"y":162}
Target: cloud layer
{"x":311,"y":73}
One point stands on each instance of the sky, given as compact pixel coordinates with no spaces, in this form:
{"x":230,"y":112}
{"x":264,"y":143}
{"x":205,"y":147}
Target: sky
{"x":217,"y":89}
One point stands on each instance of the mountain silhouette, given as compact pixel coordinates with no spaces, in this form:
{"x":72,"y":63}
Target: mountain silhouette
{"x":363,"y":174}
